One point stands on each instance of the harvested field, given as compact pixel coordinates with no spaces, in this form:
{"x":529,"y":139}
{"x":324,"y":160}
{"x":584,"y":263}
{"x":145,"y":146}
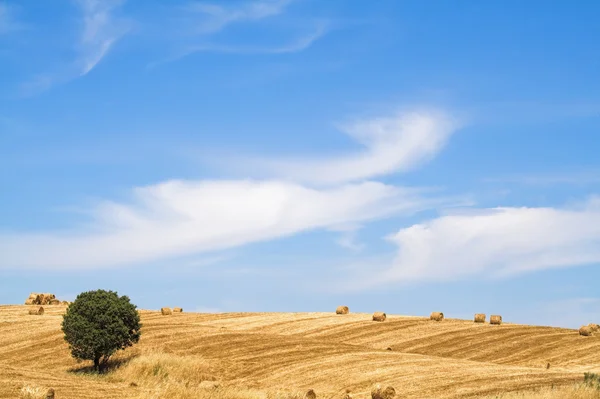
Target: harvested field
{"x":259,"y":353}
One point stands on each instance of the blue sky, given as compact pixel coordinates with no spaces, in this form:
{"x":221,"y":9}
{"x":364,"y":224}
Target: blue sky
{"x":404,"y":156}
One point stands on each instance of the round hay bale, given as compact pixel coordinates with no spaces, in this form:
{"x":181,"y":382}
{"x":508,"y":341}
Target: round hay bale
{"x":34,"y":299}
{"x":53,"y":302}
{"x":388,"y":348}
{"x":38,"y":311}
{"x":479,"y":318}
{"x":310,"y":394}
{"x":46,"y":298}
{"x":177,"y":310}
{"x":166,"y":311}
{"x":379,"y":316}
{"x":436,"y":316}
{"x":65,"y":303}
{"x":585,"y":331}
{"x":496,"y":319}
{"x":594,"y":327}
{"x":387,"y":393}
{"x":50,"y":394}
{"x":342,"y":310}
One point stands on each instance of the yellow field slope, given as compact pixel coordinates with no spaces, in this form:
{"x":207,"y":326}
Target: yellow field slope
{"x":269,"y":352}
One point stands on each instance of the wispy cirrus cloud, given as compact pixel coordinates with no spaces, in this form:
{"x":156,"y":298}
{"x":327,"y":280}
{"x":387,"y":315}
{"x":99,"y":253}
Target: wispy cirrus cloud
{"x":294,"y":46}
{"x":202,"y":22}
{"x":211,"y":18}
{"x":496,"y":243}
{"x":100,"y":30}
{"x":390,"y":144}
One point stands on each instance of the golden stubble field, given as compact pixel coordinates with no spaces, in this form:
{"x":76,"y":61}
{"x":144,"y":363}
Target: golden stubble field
{"x":268,"y":355}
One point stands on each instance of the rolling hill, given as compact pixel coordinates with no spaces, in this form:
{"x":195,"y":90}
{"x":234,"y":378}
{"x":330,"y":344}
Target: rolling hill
{"x":263,"y":353}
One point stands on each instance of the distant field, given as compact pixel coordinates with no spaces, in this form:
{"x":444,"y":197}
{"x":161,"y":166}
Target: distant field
{"x":260,"y":355}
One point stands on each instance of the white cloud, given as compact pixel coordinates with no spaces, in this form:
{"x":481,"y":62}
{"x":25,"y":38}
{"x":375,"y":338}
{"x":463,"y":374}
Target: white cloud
{"x":202,"y":21}
{"x":391,"y":144}
{"x":100,"y":31}
{"x":496,"y":242}
{"x":183,"y":217}
{"x":300,"y":44}
{"x":213,"y":18}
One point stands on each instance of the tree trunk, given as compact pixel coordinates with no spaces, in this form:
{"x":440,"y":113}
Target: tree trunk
{"x":97,"y":363}
{"x":104,"y":362}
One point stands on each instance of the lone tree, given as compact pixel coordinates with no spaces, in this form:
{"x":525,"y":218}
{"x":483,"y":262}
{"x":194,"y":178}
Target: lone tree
{"x":99,"y":323}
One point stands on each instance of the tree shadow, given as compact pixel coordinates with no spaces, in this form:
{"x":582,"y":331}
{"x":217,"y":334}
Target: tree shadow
{"x":112,"y":365}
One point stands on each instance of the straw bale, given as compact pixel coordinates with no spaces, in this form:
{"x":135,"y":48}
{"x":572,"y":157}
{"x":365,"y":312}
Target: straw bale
{"x":379,"y":316}
{"x":342,"y":310}
{"x":479,"y":318}
{"x":436,"y":316}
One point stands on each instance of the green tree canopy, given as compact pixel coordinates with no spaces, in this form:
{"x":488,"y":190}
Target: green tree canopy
{"x":98,"y":324}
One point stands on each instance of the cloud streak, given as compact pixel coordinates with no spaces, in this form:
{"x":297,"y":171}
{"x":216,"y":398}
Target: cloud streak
{"x":101,"y":30}
{"x":212,"y":18}
{"x":390,"y":145}
{"x":496,"y":243}
{"x":206,"y":20}
{"x":185,"y":217}
{"x":298,"y":45}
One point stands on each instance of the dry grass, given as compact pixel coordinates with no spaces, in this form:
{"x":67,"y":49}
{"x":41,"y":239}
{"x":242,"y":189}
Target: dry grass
{"x":32,"y":392}
{"x":158,"y":367}
{"x":282,"y":355}
{"x":573,"y":392}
